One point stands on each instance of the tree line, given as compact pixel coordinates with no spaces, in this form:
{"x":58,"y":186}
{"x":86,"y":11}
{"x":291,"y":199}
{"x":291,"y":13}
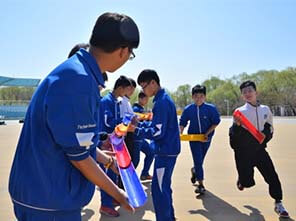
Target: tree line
{"x":12,"y":95}
{"x":277,"y":89}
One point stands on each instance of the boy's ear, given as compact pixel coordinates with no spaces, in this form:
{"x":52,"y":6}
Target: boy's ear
{"x":122,"y":51}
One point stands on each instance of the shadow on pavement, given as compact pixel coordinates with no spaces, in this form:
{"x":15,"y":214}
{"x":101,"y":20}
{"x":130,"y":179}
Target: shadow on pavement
{"x":86,"y":214}
{"x":216,"y":209}
{"x":139,"y":214}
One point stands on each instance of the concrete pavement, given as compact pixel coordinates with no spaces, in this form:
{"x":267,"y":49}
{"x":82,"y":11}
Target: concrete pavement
{"x":222,"y":201}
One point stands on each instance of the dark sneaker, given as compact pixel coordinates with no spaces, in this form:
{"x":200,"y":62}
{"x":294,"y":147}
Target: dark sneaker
{"x":193,"y":176}
{"x":115,"y":202}
{"x":200,"y":189}
{"x":281,"y":211}
{"x":108,"y":211}
{"x":148,"y":177}
{"x":239,"y":186}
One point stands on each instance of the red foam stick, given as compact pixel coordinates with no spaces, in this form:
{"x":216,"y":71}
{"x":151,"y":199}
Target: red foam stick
{"x":249,"y":126}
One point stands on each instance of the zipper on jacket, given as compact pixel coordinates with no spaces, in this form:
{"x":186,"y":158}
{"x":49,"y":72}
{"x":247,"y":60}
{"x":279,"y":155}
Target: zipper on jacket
{"x":257,"y":119}
{"x":198,"y":119}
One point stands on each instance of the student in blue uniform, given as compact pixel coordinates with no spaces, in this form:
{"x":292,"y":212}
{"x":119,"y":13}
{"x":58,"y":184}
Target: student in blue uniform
{"x":249,"y":153}
{"x":54,"y":171}
{"x":164,"y":131}
{"x":204,"y":118}
{"x":126,"y":108}
{"x":110,"y":113}
{"x":142,"y":144}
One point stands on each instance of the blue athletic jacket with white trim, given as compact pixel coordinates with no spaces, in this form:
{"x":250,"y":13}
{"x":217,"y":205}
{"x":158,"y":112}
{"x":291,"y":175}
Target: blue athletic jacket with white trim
{"x":137,"y":108}
{"x":201,"y":118}
{"x":163,"y":129}
{"x":61,"y":124}
{"x":110,"y":113}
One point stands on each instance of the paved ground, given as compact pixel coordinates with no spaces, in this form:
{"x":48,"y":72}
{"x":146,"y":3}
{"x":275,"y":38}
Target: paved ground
{"x":222,"y":202}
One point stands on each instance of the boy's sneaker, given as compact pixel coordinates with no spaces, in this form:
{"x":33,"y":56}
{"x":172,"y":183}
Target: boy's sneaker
{"x":108,"y":211}
{"x":281,"y":211}
{"x":148,"y":177}
{"x":200,"y":189}
{"x":115,"y":202}
{"x":193,"y":176}
{"x":239,"y":186}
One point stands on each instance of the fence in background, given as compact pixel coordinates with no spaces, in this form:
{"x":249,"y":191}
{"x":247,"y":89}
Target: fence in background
{"x":13,"y":110}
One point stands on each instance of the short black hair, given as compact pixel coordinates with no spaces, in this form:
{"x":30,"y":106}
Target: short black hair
{"x":148,"y":75}
{"x":77,"y":47}
{"x":247,"y":84}
{"x":113,"y":30}
{"x":199,"y":89}
{"x":133,"y":82}
{"x":122,"y":81}
{"x":141,"y":94}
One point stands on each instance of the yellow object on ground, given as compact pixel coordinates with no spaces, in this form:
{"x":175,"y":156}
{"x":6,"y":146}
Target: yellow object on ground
{"x":192,"y":137}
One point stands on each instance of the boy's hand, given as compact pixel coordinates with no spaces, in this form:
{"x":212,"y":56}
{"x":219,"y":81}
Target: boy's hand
{"x":114,"y":166}
{"x":135,"y":120}
{"x":123,"y":200}
{"x":237,"y":120}
{"x":112,"y":163}
{"x":205,"y":138}
{"x":109,"y":153}
{"x":131,"y":128}
{"x":106,"y":145}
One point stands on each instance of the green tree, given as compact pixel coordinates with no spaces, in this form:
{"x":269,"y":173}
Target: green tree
{"x":182,"y":96}
{"x":213,"y":83}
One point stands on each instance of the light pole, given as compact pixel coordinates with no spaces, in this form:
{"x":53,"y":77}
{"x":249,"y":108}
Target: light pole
{"x":227,"y":106}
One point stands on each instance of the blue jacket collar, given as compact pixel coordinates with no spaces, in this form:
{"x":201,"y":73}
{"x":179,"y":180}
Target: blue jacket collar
{"x":200,"y":105}
{"x":113,"y":97}
{"x":91,"y":61}
{"x":158,"y":94}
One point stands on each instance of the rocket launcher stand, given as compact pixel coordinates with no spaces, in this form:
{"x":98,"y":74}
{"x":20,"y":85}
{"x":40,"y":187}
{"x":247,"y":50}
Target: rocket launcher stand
{"x":249,"y":126}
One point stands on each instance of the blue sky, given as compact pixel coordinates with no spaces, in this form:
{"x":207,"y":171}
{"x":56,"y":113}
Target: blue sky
{"x":185,"y":41}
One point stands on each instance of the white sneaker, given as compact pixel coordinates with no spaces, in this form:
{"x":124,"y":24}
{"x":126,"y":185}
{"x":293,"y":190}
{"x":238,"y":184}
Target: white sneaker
{"x":281,"y":211}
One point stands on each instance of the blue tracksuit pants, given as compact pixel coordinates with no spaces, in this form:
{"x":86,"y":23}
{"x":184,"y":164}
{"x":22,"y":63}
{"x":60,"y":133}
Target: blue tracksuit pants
{"x":161,"y":188}
{"x":106,"y":199}
{"x":199,"y":151}
{"x":148,"y":150}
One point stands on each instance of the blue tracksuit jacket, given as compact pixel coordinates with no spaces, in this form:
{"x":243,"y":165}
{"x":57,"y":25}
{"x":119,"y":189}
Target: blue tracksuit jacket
{"x":163,"y":128}
{"x":61,"y":124}
{"x":164,"y":131}
{"x":201,"y":118}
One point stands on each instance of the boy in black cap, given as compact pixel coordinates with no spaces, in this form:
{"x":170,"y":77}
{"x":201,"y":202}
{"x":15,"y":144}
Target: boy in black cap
{"x":57,"y":148}
{"x":249,"y":153}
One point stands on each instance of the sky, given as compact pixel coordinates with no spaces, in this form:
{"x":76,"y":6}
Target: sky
{"x":186,"y":41}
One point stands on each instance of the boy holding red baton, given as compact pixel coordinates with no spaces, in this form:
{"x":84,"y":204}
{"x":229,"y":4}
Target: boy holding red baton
{"x":249,"y":134}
